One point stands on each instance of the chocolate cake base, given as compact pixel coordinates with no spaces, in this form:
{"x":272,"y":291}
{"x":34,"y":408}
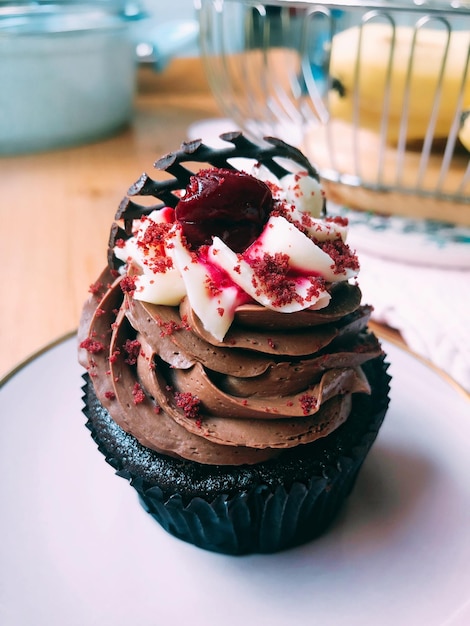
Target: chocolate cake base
{"x":261,"y":508}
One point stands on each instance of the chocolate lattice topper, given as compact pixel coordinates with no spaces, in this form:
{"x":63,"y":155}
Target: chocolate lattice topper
{"x":169,"y":191}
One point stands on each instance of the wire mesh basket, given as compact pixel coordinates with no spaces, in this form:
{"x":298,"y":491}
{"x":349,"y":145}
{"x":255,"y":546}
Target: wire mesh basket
{"x":373,"y":93}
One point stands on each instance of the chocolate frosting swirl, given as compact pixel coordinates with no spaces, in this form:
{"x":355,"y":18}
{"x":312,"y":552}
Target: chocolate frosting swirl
{"x":259,"y":391}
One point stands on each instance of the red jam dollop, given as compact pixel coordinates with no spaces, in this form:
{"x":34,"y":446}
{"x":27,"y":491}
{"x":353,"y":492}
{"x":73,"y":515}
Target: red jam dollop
{"x":231,"y":205}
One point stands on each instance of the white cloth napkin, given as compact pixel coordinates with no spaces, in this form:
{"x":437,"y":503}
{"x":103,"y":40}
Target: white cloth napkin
{"x":429,"y":306}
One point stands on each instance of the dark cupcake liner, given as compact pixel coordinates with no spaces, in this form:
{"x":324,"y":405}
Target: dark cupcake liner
{"x":251,"y":509}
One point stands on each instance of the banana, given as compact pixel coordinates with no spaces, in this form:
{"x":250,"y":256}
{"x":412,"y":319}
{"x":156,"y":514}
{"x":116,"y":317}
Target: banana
{"x":376,"y":50}
{"x":464,"y":131}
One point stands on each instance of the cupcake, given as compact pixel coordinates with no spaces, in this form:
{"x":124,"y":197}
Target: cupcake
{"x":231,"y":375}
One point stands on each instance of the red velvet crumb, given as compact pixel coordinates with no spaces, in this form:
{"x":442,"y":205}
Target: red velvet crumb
{"x":341,"y":254}
{"x":184,"y":323}
{"x":338,"y":219}
{"x":138,"y":394}
{"x":128,"y":284}
{"x":132,"y":349}
{"x":308,"y":403}
{"x":92,"y":346}
{"x":154,"y":236}
{"x":110,"y":395}
{"x":95,"y":288}
{"x":168,"y":328}
{"x":317,"y":286}
{"x":212,"y":287}
{"x":114,"y":356}
{"x":152,"y":243}
{"x":190,"y":404}
{"x":272,"y":274}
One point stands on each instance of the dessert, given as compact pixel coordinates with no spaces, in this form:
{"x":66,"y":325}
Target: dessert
{"x":230,"y":373}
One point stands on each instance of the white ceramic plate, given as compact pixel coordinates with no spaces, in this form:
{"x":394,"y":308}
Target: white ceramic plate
{"x":77,"y":549}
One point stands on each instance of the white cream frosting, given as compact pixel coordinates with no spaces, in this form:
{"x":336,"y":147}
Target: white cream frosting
{"x":189,"y":274}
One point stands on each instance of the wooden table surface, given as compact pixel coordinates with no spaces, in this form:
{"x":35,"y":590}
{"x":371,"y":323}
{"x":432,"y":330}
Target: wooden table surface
{"x":56,"y":209}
